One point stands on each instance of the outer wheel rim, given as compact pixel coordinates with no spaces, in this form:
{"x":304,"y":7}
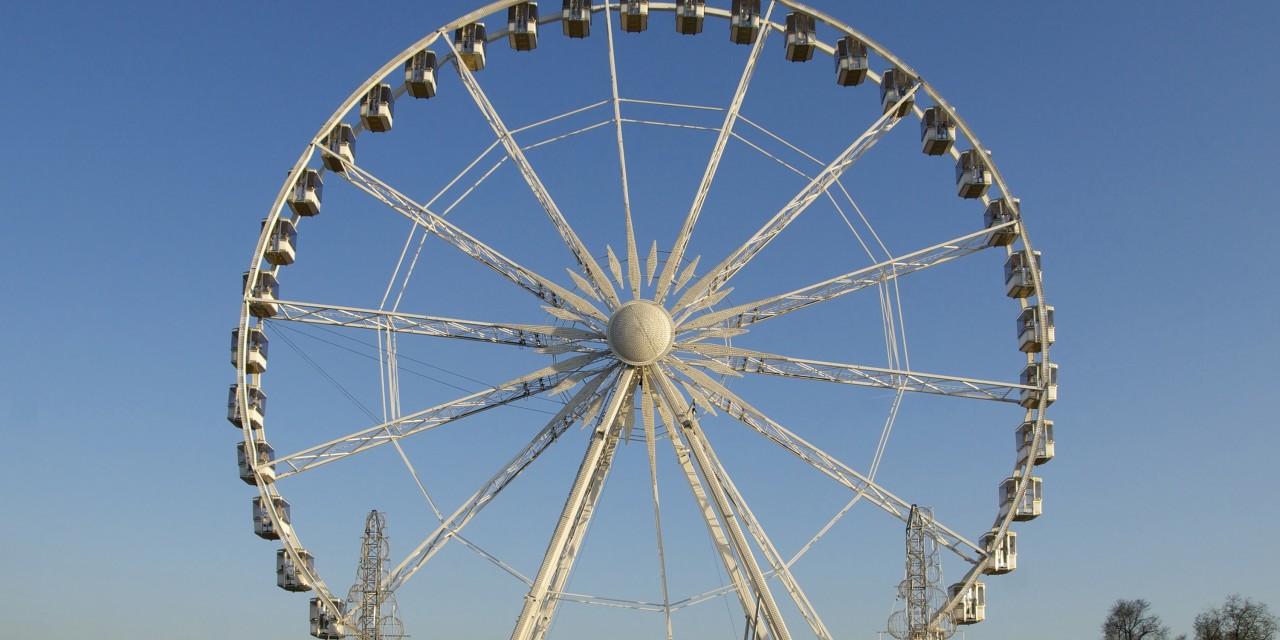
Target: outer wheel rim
{"x":266,"y":490}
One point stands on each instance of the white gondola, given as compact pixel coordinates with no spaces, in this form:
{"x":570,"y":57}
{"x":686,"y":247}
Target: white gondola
{"x":282,"y":246}
{"x":689,"y":15}
{"x":341,"y":143}
{"x":1048,"y":388}
{"x":1026,"y":440}
{"x":999,"y":212}
{"x":1032,"y":336}
{"x":262,"y":525}
{"x":265,"y":292}
{"x":377,"y":109}
{"x":522,"y":26}
{"x":257,"y":406}
{"x":420,"y":74}
{"x":1003,"y":552}
{"x":973,"y":178}
{"x":287,"y":575}
{"x":744,"y":21}
{"x":325,"y":625}
{"x":971,"y":608}
{"x":894,"y":85}
{"x":575,"y":18}
{"x":307,"y":193}
{"x":1029,"y":507}
{"x":1018,"y":277}
{"x":937,"y":132}
{"x":469,"y":40}
{"x":263,"y":468}
{"x":255,"y":360}
{"x":851,"y":61}
{"x":635,"y":15}
{"x":802,"y":37}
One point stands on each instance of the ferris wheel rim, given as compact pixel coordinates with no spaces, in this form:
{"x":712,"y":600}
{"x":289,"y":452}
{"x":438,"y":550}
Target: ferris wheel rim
{"x":267,"y":490}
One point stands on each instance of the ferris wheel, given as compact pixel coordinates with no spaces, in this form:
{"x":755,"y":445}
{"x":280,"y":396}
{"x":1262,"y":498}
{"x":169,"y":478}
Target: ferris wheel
{"x":590,"y":242}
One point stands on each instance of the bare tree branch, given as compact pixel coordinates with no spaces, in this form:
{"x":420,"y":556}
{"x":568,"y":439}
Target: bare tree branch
{"x":1133,"y":620}
{"x":1238,"y":619}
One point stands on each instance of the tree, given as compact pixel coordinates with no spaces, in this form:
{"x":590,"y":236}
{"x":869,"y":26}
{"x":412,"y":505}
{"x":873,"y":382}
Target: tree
{"x":1133,"y":620}
{"x":1238,"y":619}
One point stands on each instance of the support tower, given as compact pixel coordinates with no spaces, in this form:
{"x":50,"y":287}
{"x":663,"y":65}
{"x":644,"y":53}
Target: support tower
{"x":920,"y":597}
{"x":374,"y":615}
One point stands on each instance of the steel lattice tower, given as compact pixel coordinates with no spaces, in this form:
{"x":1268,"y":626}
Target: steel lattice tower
{"x":374,"y":615}
{"x":919,"y":593}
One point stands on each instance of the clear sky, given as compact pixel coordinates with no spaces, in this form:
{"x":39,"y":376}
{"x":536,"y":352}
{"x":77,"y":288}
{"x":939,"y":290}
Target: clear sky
{"x":147,"y":140}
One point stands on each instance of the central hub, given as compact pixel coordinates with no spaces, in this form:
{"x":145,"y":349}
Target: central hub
{"x":640,"y":332}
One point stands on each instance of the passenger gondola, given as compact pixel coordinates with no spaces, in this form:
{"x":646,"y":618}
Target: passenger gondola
{"x":973,"y":178}
{"x":377,"y":109}
{"x":575,"y":18}
{"x":522,"y":26}
{"x":802,"y":37}
{"x":744,"y":21}
{"x":307,"y":193}
{"x":689,"y":15}
{"x":469,"y":40}
{"x":420,"y":74}
{"x":341,"y":143}
{"x":635,"y":15}
{"x":895,"y":84}
{"x":851,"y":61}
{"x":937,"y":131}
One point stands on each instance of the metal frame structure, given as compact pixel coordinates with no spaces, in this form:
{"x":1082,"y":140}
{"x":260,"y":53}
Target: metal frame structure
{"x":374,"y":611}
{"x":664,"y":367}
{"x":920,"y":593}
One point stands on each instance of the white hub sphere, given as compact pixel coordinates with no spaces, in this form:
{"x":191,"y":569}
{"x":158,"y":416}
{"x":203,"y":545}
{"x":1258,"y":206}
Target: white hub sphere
{"x":640,"y":332}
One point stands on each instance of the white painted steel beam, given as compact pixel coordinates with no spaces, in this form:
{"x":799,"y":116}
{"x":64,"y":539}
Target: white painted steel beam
{"x":576,"y":409}
{"x":522,"y":335}
{"x":779,"y":567}
{"x":747,"y":361}
{"x":548,"y":291}
{"x":540,"y":381}
{"x":736,"y":408}
{"x":713,"y":164}
{"x":772,"y":617}
{"x":737,"y":582}
{"x":585,"y":261}
{"x":722,"y":272}
{"x":763,"y":309}
{"x":540,"y":604}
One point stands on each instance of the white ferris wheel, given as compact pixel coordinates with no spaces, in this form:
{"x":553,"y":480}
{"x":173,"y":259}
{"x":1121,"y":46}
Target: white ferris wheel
{"x":600,"y":241}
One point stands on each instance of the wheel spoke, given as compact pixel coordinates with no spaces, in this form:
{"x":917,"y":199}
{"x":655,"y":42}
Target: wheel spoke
{"x":633,"y":256}
{"x":573,"y":411}
{"x":888,"y":270}
{"x":523,"y":335}
{"x":718,"y":538}
{"x":724,"y":509}
{"x":651,"y":444}
{"x":585,"y":262}
{"x":780,"y":567}
{"x":548,"y":291}
{"x":747,"y":361}
{"x":540,"y":604}
{"x":540,"y":381}
{"x":722,"y":272}
{"x":713,"y":164}
{"x":818,"y":459}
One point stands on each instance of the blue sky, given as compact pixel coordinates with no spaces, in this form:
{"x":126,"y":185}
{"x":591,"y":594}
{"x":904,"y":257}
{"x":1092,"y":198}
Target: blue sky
{"x":147,"y":141}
